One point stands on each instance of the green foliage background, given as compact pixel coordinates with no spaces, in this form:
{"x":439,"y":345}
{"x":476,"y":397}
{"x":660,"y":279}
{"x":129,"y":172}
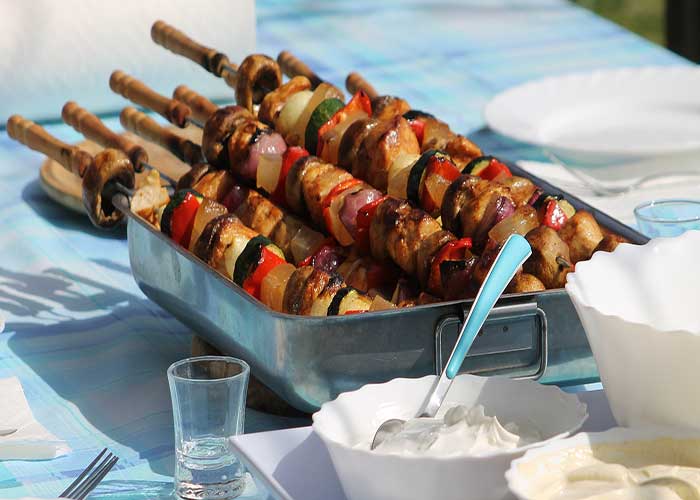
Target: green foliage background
{"x":645,"y":17}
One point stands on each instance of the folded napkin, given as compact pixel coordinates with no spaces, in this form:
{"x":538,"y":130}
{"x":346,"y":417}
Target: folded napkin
{"x":620,"y":206}
{"x":56,"y":51}
{"x":31,"y":441}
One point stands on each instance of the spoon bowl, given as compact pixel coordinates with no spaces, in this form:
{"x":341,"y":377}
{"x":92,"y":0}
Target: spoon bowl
{"x":513,"y":254}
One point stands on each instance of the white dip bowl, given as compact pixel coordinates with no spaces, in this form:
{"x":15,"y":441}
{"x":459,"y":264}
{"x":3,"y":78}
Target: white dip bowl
{"x":640,"y":308}
{"x":538,"y":469}
{"x":354,"y":417}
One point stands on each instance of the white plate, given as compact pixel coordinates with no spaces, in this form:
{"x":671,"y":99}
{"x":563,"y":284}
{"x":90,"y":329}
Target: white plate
{"x":293,"y":464}
{"x":606,"y":116}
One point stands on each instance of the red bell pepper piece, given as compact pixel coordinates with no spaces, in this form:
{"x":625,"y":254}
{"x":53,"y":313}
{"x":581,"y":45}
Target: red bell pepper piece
{"x":494,"y":169}
{"x":364,"y":219}
{"x":554,"y":216}
{"x":452,"y":250}
{"x":337,"y":189}
{"x":440,"y":165}
{"x":354,"y":311}
{"x":418,"y":127}
{"x":290,"y":156}
{"x":268,"y":261}
{"x":183,"y":220}
{"x":360,"y":101}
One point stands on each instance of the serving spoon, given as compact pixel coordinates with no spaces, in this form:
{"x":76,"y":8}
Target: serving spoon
{"x":514,"y":252}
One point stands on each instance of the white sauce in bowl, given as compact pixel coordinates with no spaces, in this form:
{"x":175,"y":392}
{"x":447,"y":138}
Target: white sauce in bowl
{"x":462,"y":431}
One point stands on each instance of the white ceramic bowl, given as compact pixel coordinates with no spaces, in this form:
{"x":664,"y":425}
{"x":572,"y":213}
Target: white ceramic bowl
{"x":369,"y":475}
{"x":639,"y":307}
{"x":537,"y":468}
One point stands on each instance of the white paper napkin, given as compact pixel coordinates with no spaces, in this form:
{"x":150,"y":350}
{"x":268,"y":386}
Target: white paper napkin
{"x":31,"y":441}
{"x":621,"y":207}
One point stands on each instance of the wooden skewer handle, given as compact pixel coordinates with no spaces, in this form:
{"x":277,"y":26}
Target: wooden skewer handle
{"x":176,"y":41}
{"x":137,"y":92}
{"x":356,"y":81}
{"x":292,"y":66}
{"x":202,"y":108}
{"x":140,"y":124}
{"x":35,"y":137}
{"x":92,"y":128}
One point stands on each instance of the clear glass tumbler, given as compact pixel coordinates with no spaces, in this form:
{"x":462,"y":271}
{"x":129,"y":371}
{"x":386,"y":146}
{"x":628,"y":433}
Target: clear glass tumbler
{"x":208,"y":395}
{"x":667,"y":218}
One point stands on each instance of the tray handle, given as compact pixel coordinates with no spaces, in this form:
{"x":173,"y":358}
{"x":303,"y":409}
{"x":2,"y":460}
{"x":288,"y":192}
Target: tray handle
{"x":507,"y":317}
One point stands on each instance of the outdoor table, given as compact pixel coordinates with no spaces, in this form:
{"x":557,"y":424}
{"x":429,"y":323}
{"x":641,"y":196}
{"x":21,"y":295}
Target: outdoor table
{"x":91,"y":351}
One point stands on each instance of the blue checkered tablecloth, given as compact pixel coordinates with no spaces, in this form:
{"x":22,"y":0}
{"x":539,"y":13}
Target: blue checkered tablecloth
{"x":91,"y":350}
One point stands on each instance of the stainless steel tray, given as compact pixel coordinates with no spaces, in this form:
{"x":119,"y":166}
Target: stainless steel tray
{"x":308,"y":360}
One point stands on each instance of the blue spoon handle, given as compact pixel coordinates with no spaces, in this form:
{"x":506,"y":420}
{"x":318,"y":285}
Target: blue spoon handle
{"x":515,"y":251}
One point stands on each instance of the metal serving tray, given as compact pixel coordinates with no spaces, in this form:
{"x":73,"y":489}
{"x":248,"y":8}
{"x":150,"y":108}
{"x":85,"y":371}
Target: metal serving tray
{"x":309,"y":360}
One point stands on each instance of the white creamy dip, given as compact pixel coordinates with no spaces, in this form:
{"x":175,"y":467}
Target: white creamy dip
{"x":463,"y":431}
{"x":620,"y":472}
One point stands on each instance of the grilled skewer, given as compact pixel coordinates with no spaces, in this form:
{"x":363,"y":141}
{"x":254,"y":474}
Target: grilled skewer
{"x":252,"y":80}
{"x":102,"y":176}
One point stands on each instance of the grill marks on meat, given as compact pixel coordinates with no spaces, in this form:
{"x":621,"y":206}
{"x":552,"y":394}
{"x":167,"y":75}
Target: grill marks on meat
{"x":304,"y":286}
{"x":387,"y":107}
{"x":463,"y":189}
{"x":379,"y":149}
{"x":317,"y":183}
{"x":274,"y":101}
{"x":582,"y":233}
{"x":398,"y":230}
{"x":217,"y":235}
{"x":257,"y":212}
{"x":549,"y":257}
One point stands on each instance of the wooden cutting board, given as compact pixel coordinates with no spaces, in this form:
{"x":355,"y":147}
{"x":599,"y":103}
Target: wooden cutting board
{"x":65,"y":188}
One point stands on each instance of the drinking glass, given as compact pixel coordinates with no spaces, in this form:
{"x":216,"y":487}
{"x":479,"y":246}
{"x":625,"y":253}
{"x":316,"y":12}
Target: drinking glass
{"x":208,"y":395}
{"x":664,"y":218}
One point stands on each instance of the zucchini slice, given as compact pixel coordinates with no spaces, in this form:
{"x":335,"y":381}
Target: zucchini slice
{"x":319,"y":117}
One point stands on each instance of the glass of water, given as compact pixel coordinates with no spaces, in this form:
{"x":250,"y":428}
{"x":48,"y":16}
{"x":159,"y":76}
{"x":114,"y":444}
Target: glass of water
{"x":667,"y":218}
{"x":208,"y":395}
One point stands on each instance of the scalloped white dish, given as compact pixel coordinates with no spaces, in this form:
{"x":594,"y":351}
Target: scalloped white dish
{"x":605,"y":116}
{"x":354,"y":417}
{"x":547,"y":469}
{"x":639,"y":307}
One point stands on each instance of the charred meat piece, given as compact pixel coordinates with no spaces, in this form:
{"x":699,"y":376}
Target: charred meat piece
{"x":294,"y":292}
{"x":550,"y":261}
{"x":610,"y":242}
{"x":426,"y":252}
{"x":397,"y":230}
{"x":456,"y":278}
{"x":274,"y":101}
{"x":462,"y":189}
{"x":380,"y":148}
{"x":351,"y":141}
{"x":215,"y":185}
{"x":436,"y":134}
{"x":582,"y":233}
{"x":312,"y":288}
{"x":521,"y":189}
{"x":293,"y":184}
{"x":525,"y":283}
{"x":216,"y":237}
{"x":386,"y":107}
{"x":472,"y":216}
{"x":462,"y":150}
{"x":192,"y":176}
{"x":259,"y":213}
{"x":317,"y":183}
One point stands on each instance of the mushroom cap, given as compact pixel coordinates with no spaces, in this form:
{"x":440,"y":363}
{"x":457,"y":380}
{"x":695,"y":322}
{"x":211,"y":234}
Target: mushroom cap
{"x":109,"y":166}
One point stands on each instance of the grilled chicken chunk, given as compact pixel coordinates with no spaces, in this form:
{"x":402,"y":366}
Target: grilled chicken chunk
{"x":582,"y":233}
{"x":550,"y":261}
